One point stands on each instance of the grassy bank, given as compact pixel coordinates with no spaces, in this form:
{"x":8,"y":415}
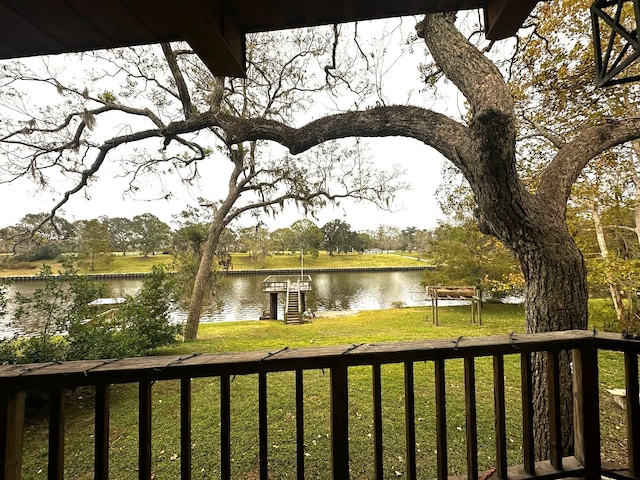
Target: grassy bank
{"x":374,"y":326}
{"x":240,"y":261}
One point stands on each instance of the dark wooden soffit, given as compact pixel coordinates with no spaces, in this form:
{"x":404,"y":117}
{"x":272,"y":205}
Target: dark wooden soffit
{"x":214,"y":28}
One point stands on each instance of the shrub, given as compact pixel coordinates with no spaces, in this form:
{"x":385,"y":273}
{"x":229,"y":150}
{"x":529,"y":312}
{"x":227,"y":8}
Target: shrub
{"x":47,"y":251}
{"x":602,"y":315}
{"x":71,"y":329}
{"x":8,"y":351}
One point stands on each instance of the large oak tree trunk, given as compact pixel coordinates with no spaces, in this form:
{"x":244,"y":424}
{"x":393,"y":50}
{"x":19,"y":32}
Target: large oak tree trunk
{"x":533,"y":226}
{"x":556,"y":299}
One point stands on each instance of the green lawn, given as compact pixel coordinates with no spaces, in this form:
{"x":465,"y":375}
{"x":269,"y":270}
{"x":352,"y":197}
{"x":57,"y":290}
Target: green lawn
{"x":324,"y":260}
{"x":117,"y":264}
{"x":374,"y":326}
{"x":241,"y":261}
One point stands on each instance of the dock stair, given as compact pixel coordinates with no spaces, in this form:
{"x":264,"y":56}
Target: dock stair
{"x":293,"y":307}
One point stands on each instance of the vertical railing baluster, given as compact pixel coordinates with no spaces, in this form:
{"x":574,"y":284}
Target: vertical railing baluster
{"x":185,"y":428}
{"x":263,"y":450}
{"x":225,"y":427}
{"x":56,"y":435}
{"x":339,"y":421}
{"x":101,"y":423}
{"x":555,"y":416}
{"x":410,"y":420}
{"x":11,"y":431}
{"x":441,"y":419}
{"x":471,"y":420}
{"x":300,"y":424}
{"x":144,"y":430}
{"x":526,"y":386}
{"x":586,"y":406}
{"x":633,"y":411}
{"x":500,"y":416}
{"x":377,"y":421}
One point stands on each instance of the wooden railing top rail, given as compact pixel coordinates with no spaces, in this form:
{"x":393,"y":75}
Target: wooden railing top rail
{"x":46,"y":375}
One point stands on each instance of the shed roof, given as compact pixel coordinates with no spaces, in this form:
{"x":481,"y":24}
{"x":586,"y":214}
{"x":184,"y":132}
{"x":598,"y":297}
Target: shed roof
{"x":214,"y":28}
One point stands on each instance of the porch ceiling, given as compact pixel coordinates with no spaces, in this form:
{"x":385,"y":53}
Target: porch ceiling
{"x":214,"y":28}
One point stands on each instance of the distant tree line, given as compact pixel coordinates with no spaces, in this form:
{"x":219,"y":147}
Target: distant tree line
{"x":96,"y":240}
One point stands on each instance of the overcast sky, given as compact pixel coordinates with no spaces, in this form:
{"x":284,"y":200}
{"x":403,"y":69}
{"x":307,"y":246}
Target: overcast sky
{"x":415,"y":206}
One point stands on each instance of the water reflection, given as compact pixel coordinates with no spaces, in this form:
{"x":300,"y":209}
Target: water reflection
{"x":242,"y":298}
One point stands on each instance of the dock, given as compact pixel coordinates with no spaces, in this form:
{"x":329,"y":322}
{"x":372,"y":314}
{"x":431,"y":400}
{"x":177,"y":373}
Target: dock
{"x":294,"y":287}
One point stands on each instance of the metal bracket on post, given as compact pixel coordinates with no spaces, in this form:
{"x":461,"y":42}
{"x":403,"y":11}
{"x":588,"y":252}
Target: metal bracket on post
{"x":615,"y":41}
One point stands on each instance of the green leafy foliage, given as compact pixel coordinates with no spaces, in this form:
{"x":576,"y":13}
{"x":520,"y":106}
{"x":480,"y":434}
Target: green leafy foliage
{"x":145,"y":315}
{"x":94,"y":243}
{"x":71,"y":329}
{"x":464,"y":256}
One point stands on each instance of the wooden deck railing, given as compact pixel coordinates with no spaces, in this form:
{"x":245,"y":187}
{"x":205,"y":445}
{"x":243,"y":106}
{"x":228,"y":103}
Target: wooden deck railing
{"x":585,"y":346}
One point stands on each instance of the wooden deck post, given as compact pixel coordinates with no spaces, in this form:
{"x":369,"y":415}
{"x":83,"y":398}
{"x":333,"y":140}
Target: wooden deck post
{"x":410,"y":420}
{"x":263,"y":427}
{"x":225,"y":427}
{"x":633,"y":411}
{"x":586,"y":408}
{"x":471,"y":417}
{"x":555,"y":419}
{"x":339,"y":421}
{"x":144,"y":429}
{"x":12,"y":428}
{"x":300,"y":424}
{"x":185,"y":428}
{"x":377,"y":421}
{"x":441,"y":419}
{"x":56,"y":434}
{"x":526,"y":385}
{"x":101,"y":426}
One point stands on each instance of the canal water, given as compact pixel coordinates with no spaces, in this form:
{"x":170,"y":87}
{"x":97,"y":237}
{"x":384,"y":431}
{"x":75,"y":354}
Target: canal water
{"x":241,"y":297}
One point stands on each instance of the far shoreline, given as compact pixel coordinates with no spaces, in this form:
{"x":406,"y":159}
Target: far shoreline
{"x":277,"y":271}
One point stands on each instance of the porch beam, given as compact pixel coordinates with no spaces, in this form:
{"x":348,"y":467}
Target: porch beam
{"x":214,"y":34}
{"x":503,"y":18}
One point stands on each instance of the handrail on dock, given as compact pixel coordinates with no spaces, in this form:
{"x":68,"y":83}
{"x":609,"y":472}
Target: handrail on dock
{"x":282,"y":283}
